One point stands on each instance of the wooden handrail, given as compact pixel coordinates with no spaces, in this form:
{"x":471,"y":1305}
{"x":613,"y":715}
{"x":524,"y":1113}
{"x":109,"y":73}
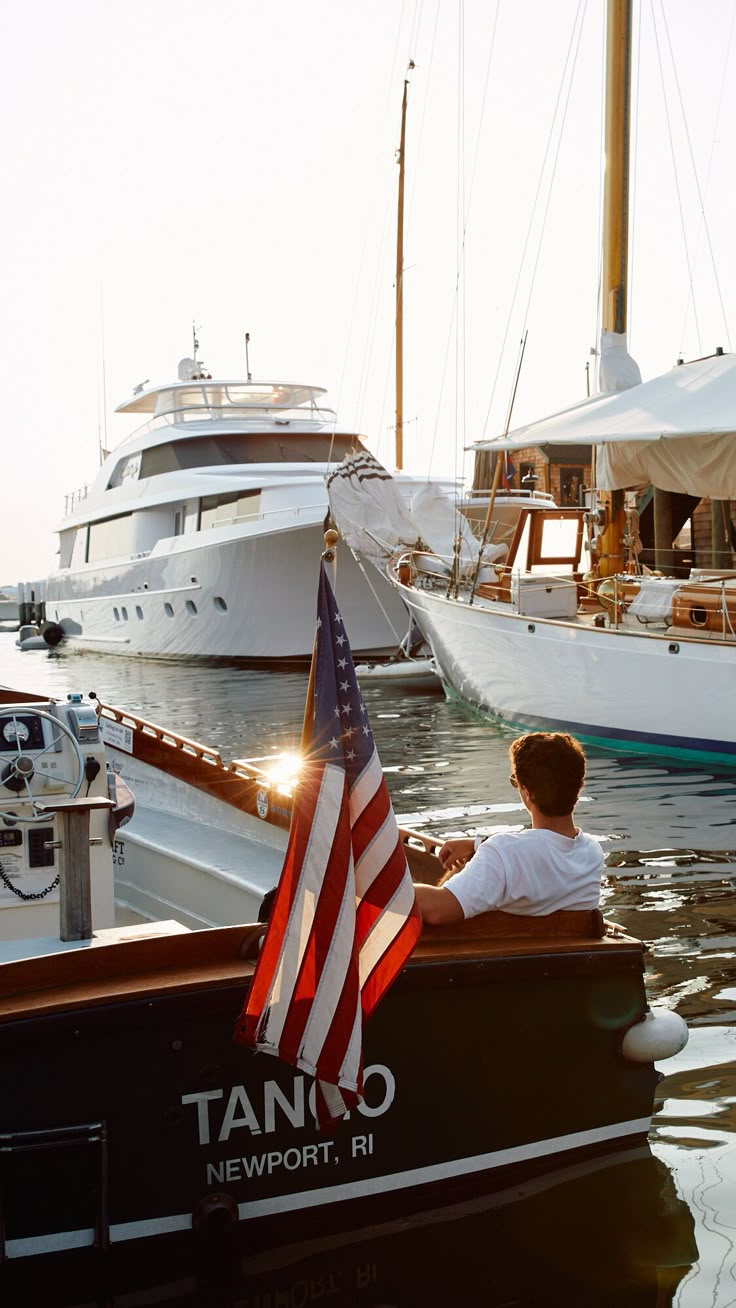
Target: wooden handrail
{"x":167,"y":737}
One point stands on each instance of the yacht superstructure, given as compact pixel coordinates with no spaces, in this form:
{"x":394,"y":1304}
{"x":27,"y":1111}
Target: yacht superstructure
{"x":199,"y":534}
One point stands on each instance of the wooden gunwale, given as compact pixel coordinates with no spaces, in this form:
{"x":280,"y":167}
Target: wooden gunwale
{"x":197,"y":960}
{"x":198,"y":766}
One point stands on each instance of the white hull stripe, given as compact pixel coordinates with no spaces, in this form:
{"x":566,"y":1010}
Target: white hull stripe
{"x":28,"y":1246}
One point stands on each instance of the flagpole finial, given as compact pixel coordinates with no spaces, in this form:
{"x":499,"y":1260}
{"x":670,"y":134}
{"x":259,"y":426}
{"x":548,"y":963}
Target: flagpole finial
{"x":331,"y":539}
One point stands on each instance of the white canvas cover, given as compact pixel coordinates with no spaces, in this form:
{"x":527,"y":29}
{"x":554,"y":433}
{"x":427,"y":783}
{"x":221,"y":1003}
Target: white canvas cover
{"x":617,"y":371}
{"x":677,"y":431}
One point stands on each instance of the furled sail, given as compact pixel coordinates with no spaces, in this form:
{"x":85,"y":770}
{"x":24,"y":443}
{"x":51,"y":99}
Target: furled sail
{"x":373,"y":518}
{"x":368,"y":509}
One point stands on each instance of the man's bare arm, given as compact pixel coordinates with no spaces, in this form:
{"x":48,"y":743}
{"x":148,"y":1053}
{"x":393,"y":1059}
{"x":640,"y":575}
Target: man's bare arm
{"x":438,"y":906}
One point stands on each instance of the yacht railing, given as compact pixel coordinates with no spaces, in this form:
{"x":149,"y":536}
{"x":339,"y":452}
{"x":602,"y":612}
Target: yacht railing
{"x":294,"y":509}
{"x":74,"y":498}
{"x":479,"y":493}
{"x":316,"y":417}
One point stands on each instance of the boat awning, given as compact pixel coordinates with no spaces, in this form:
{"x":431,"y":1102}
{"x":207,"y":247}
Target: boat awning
{"x":677,"y":431}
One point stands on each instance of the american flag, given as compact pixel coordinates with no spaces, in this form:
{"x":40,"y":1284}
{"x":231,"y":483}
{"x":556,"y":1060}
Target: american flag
{"x":344,"y":918}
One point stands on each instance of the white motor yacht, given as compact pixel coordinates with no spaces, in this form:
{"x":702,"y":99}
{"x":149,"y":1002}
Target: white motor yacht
{"x":199,"y":535}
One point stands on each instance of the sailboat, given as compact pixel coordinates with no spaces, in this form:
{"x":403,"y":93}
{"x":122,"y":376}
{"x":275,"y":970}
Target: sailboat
{"x":592,"y":644}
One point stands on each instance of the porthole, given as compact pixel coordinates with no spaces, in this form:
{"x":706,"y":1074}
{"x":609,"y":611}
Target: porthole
{"x":699,"y":617}
{"x":116,"y":615}
{"x":168,"y":610}
{"x":124,"y":613}
{"x":191,"y":607}
{"x":220,"y":604}
{"x":138,"y":611}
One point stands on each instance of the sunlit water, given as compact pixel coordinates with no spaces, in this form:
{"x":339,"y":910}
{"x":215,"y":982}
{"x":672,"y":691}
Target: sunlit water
{"x":668,"y":832}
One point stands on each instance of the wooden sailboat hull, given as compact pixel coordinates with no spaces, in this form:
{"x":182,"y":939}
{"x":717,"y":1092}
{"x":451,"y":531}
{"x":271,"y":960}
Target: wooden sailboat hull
{"x":613,"y":688}
{"x":130,"y":1115}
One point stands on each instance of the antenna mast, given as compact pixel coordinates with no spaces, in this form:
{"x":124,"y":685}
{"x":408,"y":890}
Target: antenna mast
{"x":247,"y":359}
{"x":400,"y":288}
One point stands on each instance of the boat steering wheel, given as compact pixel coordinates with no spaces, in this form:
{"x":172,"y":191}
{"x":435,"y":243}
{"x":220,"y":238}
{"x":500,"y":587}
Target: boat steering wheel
{"x":17,"y":772}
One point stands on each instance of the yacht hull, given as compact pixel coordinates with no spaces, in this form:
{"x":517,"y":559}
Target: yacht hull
{"x":612,"y":688}
{"x":240,"y":596}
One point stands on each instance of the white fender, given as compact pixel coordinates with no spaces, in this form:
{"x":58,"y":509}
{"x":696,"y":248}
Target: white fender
{"x":661,"y":1034}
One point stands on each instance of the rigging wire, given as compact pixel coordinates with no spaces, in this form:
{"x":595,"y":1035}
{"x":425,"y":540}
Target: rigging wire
{"x":703,"y":223}
{"x":459,"y":241}
{"x":457,"y":271}
{"x":368,"y":227}
{"x":582,"y":5}
{"x":554,"y":172}
{"x":420,"y":136}
{"x":595,"y":351}
{"x":677,"y":180}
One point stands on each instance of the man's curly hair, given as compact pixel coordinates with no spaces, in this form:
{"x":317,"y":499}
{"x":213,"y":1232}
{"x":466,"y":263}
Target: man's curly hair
{"x":551,"y":766}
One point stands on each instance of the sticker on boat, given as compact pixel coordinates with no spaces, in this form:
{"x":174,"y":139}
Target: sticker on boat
{"x":117,"y":735}
{"x":262,"y":803}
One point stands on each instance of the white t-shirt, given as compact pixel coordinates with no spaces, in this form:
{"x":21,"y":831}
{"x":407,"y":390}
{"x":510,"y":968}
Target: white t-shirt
{"x":532,"y":872}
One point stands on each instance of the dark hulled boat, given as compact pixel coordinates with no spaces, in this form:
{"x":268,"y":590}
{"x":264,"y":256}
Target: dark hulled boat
{"x":130,"y":1118}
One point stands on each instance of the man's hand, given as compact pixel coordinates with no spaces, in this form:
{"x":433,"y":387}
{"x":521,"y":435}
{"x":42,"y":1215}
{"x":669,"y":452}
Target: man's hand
{"x":454,"y":854}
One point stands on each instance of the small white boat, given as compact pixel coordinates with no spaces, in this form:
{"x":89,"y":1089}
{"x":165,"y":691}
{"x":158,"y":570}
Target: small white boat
{"x":30,"y":637}
{"x":405,"y":673}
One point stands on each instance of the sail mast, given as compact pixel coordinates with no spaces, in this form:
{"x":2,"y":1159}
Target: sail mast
{"x":617,"y":369}
{"x":400,"y":292}
{"x":616,"y":183}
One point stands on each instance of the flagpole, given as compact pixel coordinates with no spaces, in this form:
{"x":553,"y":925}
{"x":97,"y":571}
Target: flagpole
{"x":329,"y":557}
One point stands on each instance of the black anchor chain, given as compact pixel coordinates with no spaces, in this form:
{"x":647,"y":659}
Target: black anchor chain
{"x":39,"y":894}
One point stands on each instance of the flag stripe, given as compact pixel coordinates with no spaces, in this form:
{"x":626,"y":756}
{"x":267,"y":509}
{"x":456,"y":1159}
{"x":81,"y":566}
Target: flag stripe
{"x":304,"y":894}
{"x":344,"y":918}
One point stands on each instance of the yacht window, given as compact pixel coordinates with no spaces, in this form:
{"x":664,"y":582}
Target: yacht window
{"x":168,"y":610}
{"x":110,"y":538}
{"x":138,"y":611}
{"x":263,"y":447}
{"x":227,"y":510}
{"x":116,"y":615}
{"x":191,"y":607}
{"x":220,"y":604}
{"x":125,"y":614}
{"x":126,"y":469}
{"x":66,"y":546}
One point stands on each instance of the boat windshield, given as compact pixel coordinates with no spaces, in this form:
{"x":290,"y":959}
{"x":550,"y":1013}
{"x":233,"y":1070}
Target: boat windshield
{"x":214,"y":451}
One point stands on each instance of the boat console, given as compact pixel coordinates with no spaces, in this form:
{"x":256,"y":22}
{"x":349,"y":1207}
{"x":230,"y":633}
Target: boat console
{"x":51,"y":757}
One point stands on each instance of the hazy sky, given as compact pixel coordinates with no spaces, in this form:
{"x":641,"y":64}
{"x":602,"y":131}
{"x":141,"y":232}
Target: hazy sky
{"x":233,"y":163}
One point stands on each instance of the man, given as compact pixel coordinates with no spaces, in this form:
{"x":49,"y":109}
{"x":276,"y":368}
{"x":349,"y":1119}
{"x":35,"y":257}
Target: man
{"x":550,"y":866}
